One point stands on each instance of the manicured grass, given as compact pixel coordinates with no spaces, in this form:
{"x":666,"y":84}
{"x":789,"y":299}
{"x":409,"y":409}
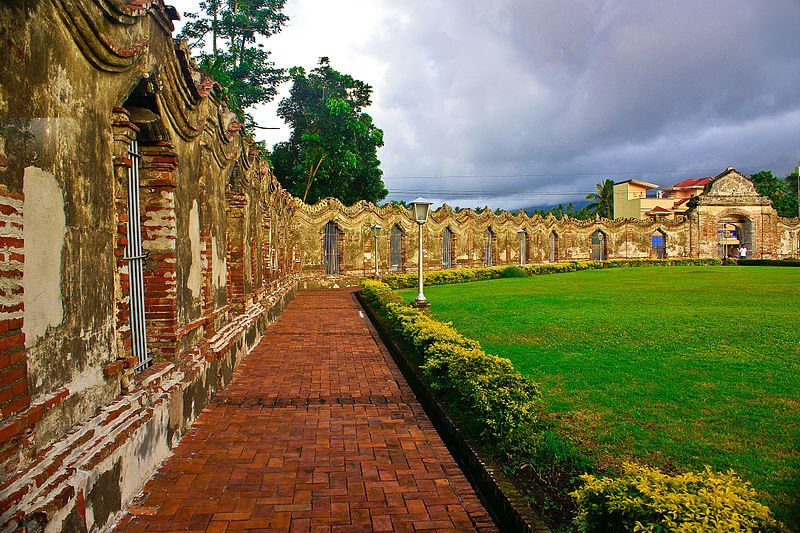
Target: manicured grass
{"x":674,"y":367}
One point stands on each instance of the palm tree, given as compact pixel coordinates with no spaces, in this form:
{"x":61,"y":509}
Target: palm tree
{"x":602,"y":200}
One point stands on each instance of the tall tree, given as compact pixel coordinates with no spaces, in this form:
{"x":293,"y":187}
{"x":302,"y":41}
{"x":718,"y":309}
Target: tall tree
{"x":226,"y":36}
{"x":332,"y":150}
{"x":602,"y":200}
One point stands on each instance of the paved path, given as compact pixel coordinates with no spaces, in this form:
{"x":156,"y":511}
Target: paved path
{"x":318,"y":432}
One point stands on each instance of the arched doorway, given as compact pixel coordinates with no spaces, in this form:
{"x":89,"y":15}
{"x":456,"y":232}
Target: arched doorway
{"x":331,"y":243}
{"x":733,"y":234}
{"x":599,"y":246}
{"x":553,"y":247}
{"x":396,"y":249}
{"x":448,"y":255}
{"x":658,"y":244}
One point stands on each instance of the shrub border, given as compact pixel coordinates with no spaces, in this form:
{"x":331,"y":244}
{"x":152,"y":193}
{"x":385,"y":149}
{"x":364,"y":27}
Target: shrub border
{"x":465,"y":275}
{"x":506,"y":505}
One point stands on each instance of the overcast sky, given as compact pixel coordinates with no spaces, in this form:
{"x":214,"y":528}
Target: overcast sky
{"x":517,"y":103}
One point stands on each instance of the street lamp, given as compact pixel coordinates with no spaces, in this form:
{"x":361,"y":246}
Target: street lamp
{"x":420,"y":208}
{"x":376,"y":232}
{"x":523,"y":249}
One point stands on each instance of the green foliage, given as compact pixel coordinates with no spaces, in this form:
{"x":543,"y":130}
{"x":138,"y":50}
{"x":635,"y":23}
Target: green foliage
{"x":513,"y":272}
{"x":237,"y":60}
{"x":645,"y":499}
{"x":464,"y":275}
{"x":788,"y":262}
{"x":602,"y":200}
{"x":333,"y":147}
{"x":782,"y":192}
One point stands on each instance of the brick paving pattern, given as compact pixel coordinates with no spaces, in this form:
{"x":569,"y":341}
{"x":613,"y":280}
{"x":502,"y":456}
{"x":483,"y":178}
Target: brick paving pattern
{"x":318,"y":431}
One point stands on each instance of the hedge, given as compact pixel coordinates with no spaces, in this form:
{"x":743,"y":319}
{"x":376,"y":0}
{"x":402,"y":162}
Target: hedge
{"x":463,"y":275}
{"x":770,"y":262}
{"x":487,"y":388}
{"x":645,"y":499}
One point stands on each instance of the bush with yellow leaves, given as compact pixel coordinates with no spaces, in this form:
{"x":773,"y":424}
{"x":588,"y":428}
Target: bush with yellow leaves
{"x":645,"y":499}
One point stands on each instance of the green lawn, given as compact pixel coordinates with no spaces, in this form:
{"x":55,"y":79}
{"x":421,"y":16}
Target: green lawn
{"x":675,"y":367}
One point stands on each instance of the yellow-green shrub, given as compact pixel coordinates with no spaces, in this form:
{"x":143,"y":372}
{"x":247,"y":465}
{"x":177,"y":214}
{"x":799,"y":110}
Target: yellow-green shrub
{"x":645,"y":499}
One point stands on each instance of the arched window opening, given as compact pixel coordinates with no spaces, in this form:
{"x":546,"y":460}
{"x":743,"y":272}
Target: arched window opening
{"x":332,"y":245}
{"x":396,"y":249}
{"x":523,"y":247}
{"x":553,"y":247}
{"x":448,"y":251}
{"x":598,"y":246}
{"x":658,"y":244}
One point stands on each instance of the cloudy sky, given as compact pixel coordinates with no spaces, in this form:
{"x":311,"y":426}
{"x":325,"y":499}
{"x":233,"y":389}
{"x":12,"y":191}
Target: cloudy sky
{"x":517,"y":103}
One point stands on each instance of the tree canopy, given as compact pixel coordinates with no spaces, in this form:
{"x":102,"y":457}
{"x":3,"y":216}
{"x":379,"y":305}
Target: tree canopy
{"x":332,"y":150}
{"x":782,"y":192}
{"x":236,"y":59}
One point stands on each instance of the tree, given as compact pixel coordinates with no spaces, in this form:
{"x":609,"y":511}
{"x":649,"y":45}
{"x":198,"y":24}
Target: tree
{"x":602,"y":200}
{"x":237,"y":60}
{"x":780,"y":191}
{"x":332,"y":150}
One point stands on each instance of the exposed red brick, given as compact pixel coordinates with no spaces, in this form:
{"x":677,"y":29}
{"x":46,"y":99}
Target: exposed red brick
{"x":113,"y":368}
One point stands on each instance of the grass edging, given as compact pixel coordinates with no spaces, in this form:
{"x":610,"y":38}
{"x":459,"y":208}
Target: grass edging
{"x":505,"y":503}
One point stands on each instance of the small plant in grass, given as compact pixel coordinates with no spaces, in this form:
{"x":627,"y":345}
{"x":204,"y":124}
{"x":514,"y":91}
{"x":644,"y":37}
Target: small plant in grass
{"x":645,"y":499}
{"x":513,"y":272}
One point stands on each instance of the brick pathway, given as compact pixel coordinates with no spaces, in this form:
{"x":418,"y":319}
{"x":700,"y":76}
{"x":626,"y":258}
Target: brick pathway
{"x":318,"y":432}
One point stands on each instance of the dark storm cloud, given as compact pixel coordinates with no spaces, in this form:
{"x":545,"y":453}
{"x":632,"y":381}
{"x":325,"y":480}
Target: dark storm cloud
{"x":567,"y":91}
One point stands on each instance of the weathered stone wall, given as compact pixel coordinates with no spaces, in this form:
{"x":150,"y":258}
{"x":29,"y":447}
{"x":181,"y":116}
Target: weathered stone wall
{"x":81,"y":80}
{"x":729,"y":197}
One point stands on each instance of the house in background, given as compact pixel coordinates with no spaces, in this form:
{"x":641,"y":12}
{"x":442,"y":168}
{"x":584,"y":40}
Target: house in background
{"x":633,"y":199}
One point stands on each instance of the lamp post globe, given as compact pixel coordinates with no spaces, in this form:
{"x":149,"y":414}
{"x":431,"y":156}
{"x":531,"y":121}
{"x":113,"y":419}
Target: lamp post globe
{"x":420,"y":209}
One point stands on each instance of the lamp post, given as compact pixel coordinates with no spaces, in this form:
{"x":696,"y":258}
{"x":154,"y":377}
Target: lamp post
{"x":420,"y":208}
{"x":376,"y":232}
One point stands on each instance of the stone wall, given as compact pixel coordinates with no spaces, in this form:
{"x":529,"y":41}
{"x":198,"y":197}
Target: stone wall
{"x":82,"y":80}
{"x":730,"y":197}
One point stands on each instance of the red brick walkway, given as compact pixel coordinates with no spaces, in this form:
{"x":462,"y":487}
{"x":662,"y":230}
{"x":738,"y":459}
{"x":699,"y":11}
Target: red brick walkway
{"x":318,"y":432}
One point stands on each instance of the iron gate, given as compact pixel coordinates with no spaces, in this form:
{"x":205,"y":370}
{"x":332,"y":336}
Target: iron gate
{"x":331,"y":245}
{"x":135,"y":257}
{"x":396,"y":249}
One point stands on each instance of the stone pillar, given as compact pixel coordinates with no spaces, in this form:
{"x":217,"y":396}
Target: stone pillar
{"x":236,"y":207}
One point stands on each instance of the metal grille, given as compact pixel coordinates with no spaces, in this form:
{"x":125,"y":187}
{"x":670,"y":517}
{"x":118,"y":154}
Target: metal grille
{"x":489,"y":237}
{"x":658,"y":244}
{"x":553,"y":247}
{"x":396,"y":248}
{"x":598,"y":246}
{"x":331,"y":249}
{"x":135,"y":256}
{"x":447,"y":248}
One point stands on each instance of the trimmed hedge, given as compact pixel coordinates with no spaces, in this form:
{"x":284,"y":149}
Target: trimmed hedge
{"x":770,"y":262}
{"x":487,"y":388}
{"x":463,"y":275}
{"x":645,"y":499}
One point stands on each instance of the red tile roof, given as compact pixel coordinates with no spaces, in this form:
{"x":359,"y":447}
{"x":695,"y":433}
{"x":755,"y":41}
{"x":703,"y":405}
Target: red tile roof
{"x":658,"y":210}
{"x":692,"y":183}
{"x":680,"y":202}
